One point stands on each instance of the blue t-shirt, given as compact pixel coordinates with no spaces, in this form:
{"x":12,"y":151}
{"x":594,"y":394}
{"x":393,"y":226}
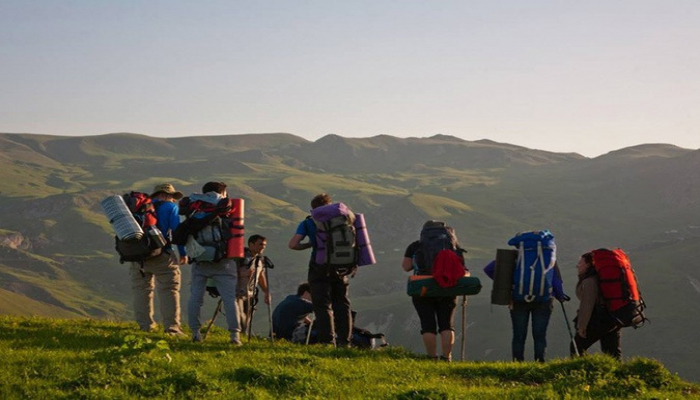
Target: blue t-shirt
{"x":307,"y":228}
{"x":290,"y":312}
{"x":168,"y":216}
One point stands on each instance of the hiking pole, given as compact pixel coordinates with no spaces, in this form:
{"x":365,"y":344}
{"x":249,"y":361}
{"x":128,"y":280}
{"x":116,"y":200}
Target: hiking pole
{"x":269,"y":306}
{"x":213,"y":318}
{"x":252,"y":303}
{"x":568,"y":326}
{"x":308,"y":332}
{"x":464,"y":325}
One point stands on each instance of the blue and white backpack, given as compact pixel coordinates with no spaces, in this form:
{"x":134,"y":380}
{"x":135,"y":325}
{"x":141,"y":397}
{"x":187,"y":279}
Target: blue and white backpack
{"x":534,"y":271}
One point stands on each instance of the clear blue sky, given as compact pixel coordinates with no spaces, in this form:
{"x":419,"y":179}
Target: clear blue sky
{"x":579,"y":76}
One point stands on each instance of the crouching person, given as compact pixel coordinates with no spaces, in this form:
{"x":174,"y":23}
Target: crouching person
{"x":292,"y":313}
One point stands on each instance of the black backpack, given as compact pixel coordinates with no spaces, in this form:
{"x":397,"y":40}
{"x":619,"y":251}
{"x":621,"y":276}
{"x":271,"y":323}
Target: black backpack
{"x":434,"y":237}
{"x":152,"y":242}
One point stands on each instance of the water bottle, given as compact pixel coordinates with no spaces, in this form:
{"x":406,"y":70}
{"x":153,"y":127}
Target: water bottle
{"x":157,"y":237}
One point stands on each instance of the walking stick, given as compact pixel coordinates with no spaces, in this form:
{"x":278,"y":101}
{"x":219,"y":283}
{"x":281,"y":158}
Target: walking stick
{"x":269,"y":306}
{"x":568,"y":326}
{"x":311,"y":325}
{"x":464,"y":325}
{"x":213,"y":318}
{"x":252,"y":303}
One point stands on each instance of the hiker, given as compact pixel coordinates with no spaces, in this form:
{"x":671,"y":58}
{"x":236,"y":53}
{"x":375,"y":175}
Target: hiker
{"x":538,"y":307}
{"x":593,"y":321}
{"x":161,"y":271}
{"x":292,"y":312}
{"x":329,"y":285}
{"x":436,"y":314}
{"x":250,"y":276}
{"x":221,"y":270}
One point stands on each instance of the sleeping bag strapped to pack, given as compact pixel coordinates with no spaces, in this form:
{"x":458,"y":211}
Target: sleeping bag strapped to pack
{"x":133,"y":216}
{"x":206,"y":230}
{"x":427,"y":286}
{"x":439,"y":254}
{"x":336,"y":244}
{"x":618,"y":287}
{"x":534,"y":271}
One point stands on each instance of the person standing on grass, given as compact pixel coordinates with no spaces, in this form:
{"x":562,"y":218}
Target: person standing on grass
{"x":161,"y":272}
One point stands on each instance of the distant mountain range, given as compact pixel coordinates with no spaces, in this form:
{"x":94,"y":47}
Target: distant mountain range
{"x":56,"y":246}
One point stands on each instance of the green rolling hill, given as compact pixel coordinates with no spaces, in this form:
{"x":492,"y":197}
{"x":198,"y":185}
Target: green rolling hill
{"x":56,"y":247}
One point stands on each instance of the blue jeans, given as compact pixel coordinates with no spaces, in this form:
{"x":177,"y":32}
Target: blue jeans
{"x":225,"y":276}
{"x":520,"y":314}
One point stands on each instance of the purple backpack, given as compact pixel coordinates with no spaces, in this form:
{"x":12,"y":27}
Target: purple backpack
{"x":335,"y":237}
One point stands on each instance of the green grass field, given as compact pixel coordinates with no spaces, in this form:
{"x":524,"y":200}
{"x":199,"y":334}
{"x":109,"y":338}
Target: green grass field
{"x":90,"y":359}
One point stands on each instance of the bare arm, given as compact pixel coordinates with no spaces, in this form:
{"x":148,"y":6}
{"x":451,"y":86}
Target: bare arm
{"x":262,"y":281}
{"x":296,"y":244}
{"x":407,"y":264}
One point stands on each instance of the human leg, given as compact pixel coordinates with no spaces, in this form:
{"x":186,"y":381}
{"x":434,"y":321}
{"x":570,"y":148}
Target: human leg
{"x":519,"y":316}
{"x":322,"y":304}
{"x":168,"y":282}
{"x":426,"y":314}
{"x":342,"y":315}
{"x":142,"y":293}
{"x":225,"y":275}
{"x":541,"y":313}
{"x":198,"y":286}
{"x":445,"y":313}
{"x":243,"y":312}
{"x":430,"y":343}
{"x":447,"y":341}
{"x":610,"y":344}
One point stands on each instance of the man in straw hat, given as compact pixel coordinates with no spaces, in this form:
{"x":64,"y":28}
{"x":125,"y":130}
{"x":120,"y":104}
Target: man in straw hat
{"x":163,"y":270}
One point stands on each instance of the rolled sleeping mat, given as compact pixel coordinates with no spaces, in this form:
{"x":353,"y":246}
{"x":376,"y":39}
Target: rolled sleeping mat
{"x":366,"y":254}
{"x":125,"y":225}
{"x":502,"y":292}
{"x":236,"y":244}
{"x":427,"y":286}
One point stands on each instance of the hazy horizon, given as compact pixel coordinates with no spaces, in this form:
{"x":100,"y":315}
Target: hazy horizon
{"x":584,"y":77}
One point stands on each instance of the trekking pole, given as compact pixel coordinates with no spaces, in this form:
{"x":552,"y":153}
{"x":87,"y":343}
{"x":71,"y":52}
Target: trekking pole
{"x":252,"y":303}
{"x":269,"y":306}
{"x":213,"y":318}
{"x":464,"y":325}
{"x":568,"y":326}
{"x":308,"y":332}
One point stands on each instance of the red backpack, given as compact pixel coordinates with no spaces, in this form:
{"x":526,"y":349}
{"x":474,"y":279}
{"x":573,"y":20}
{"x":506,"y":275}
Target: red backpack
{"x":618,"y":287}
{"x":448,"y":267}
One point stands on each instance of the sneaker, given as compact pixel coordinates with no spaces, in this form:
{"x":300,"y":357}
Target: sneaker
{"x":175,"y":332}
{"x":196,"y":338}
{"x":446,"y":359}
{"x":236,"y":339}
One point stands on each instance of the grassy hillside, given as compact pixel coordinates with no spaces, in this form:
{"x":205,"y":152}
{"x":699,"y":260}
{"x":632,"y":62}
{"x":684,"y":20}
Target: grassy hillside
{"x":56,"y":246}
{"x":52,"y":358}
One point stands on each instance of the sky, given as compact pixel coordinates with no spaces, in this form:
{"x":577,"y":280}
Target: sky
{"x":566,"y":76}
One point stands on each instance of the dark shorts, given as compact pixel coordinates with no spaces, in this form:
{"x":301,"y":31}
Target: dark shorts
{"x":436,"y":314}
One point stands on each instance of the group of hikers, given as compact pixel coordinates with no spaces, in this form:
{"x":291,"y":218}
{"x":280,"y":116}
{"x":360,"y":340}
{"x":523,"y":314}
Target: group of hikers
{"x":320,"y":309}
{"x":235,"y":280}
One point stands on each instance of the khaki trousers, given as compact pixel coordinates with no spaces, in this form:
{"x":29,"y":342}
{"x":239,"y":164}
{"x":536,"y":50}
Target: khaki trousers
{"x":163,"y":273}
